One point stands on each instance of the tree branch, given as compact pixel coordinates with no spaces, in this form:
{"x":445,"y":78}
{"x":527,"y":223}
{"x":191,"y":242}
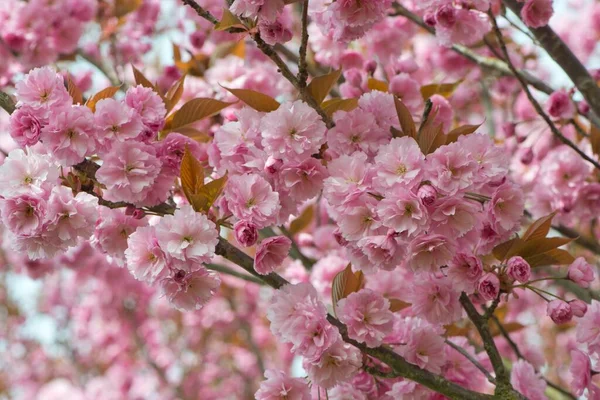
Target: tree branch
{"x":489,"y":63}
{"x":302,"y":69}
{"x":534,"y":102}
{"x":469,"y":357}
{"x":503,"y":386}
{"x":7,"y":103}
{"x":274,"y":56}
{"x":564,"y":57}
{"x":518,"y":353}
{"x":228,"y":271}
{"x":398,"y":364}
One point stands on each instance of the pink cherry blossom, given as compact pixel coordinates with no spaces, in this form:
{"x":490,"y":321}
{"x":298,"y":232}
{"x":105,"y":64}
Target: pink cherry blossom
{"x":580,"y":371}
{"x":429,"y":252}
{"x":25,"y":126}
{"x":149,"y":106}
{"x":270,"y":254}
{"x":294,"y":130}
{"x":339,"y":363}
{"x":488,"y":286}
{"x":579,"y":307}
{"x":24,"y":215}
{"x":581,"y":272}
{"x":71,"y":134}
{"x":402,"y":211}
{"x":464,"y":271}
{"x":145,"y":258}
{"x":246,"y":233}
{"x":128,"y":172}
{"x":71,"y":217}
{"x":518,"y":269}
{"x":436,"y":300}
{"x":116,"y":122}
{"x":560,"y":105}
{"x":27,"y":173}
{"x":560,"y":311}
{"x":187,"y":235}
{"x":43,"y":89}
{"x":367,"y":316}
{"x":526,"y":381}
{"x":280,"y":386}
{"x":189,"y":291}
{"x":399,"y":163}
{"x":537,"y":13}
{"x":251,"y":198}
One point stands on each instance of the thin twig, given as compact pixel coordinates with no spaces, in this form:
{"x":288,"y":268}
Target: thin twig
{"x":518,"y":353}
{"x":308,"y":263}
{"x":100,"y":66}
{"x":7,"y":103}
{"x":226,"y":270}
{"x":534,"y":102}
{"x":274,"y":56}
{"x":486,"y":62}
{"x":398,"y":364}
{"x":302,"y":69}
{"x":469,"y":357}
{"x":564,"y":57}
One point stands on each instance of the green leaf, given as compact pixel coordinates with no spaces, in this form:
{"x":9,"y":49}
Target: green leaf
{"x":228,"y":20}
{"x":552,"y":257}
{"x":124,"y":7}
{"x":303,"y":220}
{"x":320,"y":86}
{"x":344,"y":283}
{"x":595,"y":139}
{"x":174,"y":94}
{"x":330,"y":107}
{"x":259,"y":101}
{"x":101,"y":95}
{"x":74,"y":91}
{"x":376,"y":84}
{"x":540,"y":228}
{"x":192,"y":177}
{"x":454,"y":134}
{"x":406,"y":120}
{"x":502,"y":250}
{"x":398,"y":305}
{"x":209,"y":193}
{"x":443,"y":89}
{"x":140,"y":79}
{"x":195,"y":110}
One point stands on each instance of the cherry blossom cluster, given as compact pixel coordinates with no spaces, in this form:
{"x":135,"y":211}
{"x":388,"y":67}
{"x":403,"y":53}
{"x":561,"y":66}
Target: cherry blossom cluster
{"x":385,"y":237}
{"x":38,"y":41}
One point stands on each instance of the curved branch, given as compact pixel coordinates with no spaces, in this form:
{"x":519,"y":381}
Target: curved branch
{"x":534,"y":102}
{"x":564,"y":57}
{"x":398,"y":364}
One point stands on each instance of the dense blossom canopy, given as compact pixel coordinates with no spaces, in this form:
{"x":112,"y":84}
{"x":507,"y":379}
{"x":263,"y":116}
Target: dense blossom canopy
{"x":299,"y":199}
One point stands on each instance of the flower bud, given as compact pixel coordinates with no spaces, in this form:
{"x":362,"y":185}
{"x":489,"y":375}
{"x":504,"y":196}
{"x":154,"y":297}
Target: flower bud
{"x":427,"y":194}
{"x":246,"y":233}
{"x":197,"y":39}
{"x":581,"y":272}
{"x":579,"y":307}
{"x":371,"y":67}
{"x":518,"y":269}
{"x":508,"y":128}
{"x":273,"y":165}
{"x":354,"y":77}
{"x":560,"y":311}
{"x":489,"y":286}
{"x":583,"y":107}
{"x":527,"y":157}
{"x":446,"y":16}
